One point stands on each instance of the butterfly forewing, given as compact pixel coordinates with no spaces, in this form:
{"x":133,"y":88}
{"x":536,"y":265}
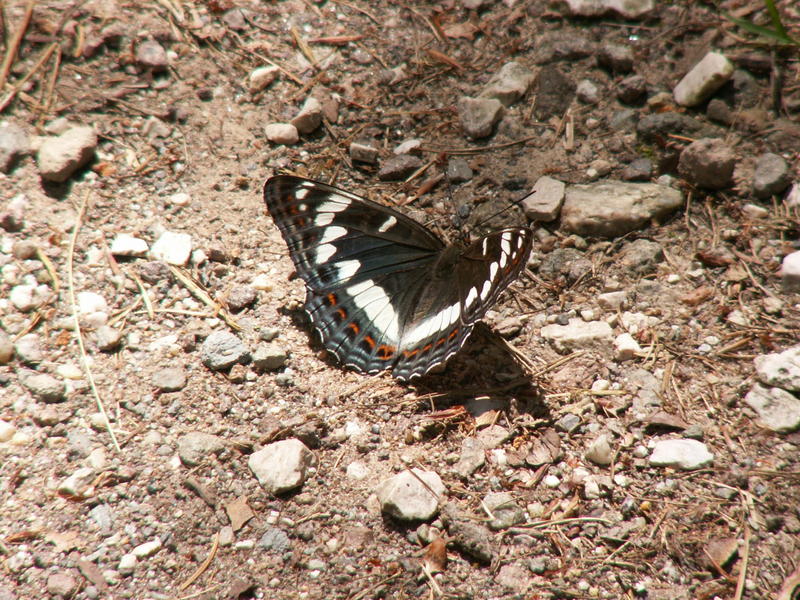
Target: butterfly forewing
{"x":382,"y":290}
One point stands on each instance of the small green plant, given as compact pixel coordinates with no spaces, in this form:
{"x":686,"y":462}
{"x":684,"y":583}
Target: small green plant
{"x":776,"y":34}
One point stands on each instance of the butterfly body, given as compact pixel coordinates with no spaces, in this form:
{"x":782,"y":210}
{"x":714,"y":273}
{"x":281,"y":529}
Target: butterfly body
{"x":383,"y":291}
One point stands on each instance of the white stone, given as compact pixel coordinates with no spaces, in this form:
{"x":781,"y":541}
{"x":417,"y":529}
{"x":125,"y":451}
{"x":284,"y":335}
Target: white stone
{"x":793,"y":197}
{"x":147,"y":549}
{"x":705,"y":78}
{"x":173,"y":248}
{"x":777,"y":409}
{"x":551,"y":481}
{"x":309,"y":117}
{"x":613,"y":300}
{"x":59,"y":157}
{"x":127,"y":564}
{"x":77,"y":484}
{"x":357,"y":470}
{"x":24,"y":297}
{"x":407,"y":147}
{"x":91,"y":302}
{"x":682,"y":453}
{"x":261,"y":77}
{"x":411,"y":496}
{"x":625,"y":347}
{"x":780,"y":369}
{"x":262,"y":282}
{"x":790,"y":272}
{"x":7,"y":431}
{"x":599,"y":451}
{"x":127,"y":245}
{"x":577,"y":334}
{"x":282,"y":133}
{"x":180,"y":199}
{"x":282,"y":466}
{"x":754,"y":211}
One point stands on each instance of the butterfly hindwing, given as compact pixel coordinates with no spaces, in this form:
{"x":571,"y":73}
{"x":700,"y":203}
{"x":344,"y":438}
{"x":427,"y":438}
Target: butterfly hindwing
{"x":382,"y":290}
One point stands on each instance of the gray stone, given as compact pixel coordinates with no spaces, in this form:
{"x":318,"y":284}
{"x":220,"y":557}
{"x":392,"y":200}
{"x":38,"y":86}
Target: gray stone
{"x":599,"y":451}
{"x":196,"y":446}
{"x":616,"y":57}
{"x":399,"y":167}
{"x":780,"y":369}
{"x":458,"y":170}
{"x":240,"y":297}
{"x":719,"y":111}
{"x":624,"y":120}
{"x":107,"y":338}
{"x":25,"y":297}
{"x":545,"y":200}
{"x":509,"y":84}
{"x":364,"y":152}
{"x":473,"y":457}
{"x":771,"y":176}
{"x":681,"y":453}
{"x":569,"y":423}
{"x":640,"y":169}
{"x":59,"y":157}
{"x":282,"y":466}
{"x":14,"y":143}
{"x":777,"y":409}
{"x":61,"y":585}
{"x":78,"y":483}
{"x":169,"y":379}
{"x":611,"y":209}
{"x":45,"y":388}
{"x":269,"y":357}
{"x":578,"y":334}
{"x":642,"y":256}
{"x":411,"y":496}
{"x":222,"y":349}
{"x":29,"y":349}
{"x":708,"y":163}
{"x":632,"y":90}
{"x":101,"y":514}
{"x":655,"y":127}
{"x":789,"y":273}
{"x":478,"y":116}
{"x":493,"y":436}
{"x":705,"y":78}
{"x":466,"y":535}
{"x":613,"y":300}
{"x":554,"y":92}
{"x":275,"y":540}
{"x":151,"y":55}
{"x":505,"y":511}
{"x":309,"y":117}
{"x":154,"y":271}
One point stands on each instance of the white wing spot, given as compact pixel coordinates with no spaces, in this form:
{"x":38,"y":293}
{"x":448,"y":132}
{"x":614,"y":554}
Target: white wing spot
{"x":493,"y":268}
{"x":484,"y":245}
{"x":332,"y":233}
{"x":503,"y":259}
{"x":347,"y":268}
{"x":520,"y":241}
{"x":472,"y":295}
{"x":487,"y":287}
{"x":433,"y":324}
{"x":505,"y":240}
{"x":373,"y":301}
{"x":388,"y":224}
{"x":301,"y":194}
{"x":324,"y":253}
{"x":327,"y":210}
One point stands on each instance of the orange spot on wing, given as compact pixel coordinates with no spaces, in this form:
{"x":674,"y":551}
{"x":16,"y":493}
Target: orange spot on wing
{"x":370,"y":341}
{"x":342,"y":314}
{"x":331,"y":299}
{"x":427,"y":347}
{"x":453,"y":334}
{"x":440,"y":341}
{"x":385,"y":352}
{"x":410,"y":353}
{"x":354,"y":328}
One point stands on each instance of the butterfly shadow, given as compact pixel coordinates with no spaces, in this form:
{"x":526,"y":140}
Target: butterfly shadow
{"x":484,"y":376}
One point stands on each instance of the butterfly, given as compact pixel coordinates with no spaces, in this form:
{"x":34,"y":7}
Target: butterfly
{"x":383,"y":291}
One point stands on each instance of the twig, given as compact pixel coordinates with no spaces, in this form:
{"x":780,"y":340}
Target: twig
{"x":204,"y":297}
{"x":11,"y":51}
{"x":18,"y":86}
{"x":78,"y":335}
{"x":467,"y":151}
{"x":202,"y":567}
{"x":743,"y":569}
